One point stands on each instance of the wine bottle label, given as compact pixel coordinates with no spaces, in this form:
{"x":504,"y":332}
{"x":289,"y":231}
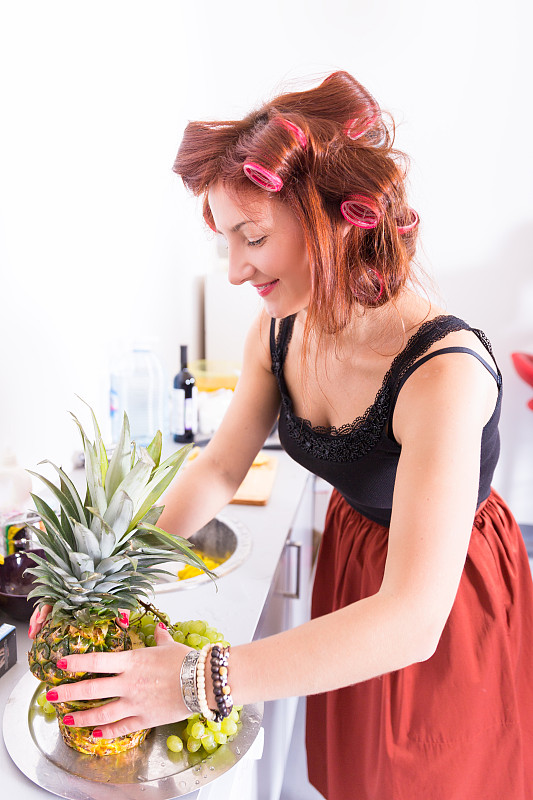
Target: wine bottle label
{"x":191,"y":411}
{"x":177,"y":421}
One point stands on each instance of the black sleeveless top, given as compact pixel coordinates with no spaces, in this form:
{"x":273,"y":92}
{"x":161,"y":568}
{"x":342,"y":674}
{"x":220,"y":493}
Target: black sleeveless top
{"x":360,"y":458}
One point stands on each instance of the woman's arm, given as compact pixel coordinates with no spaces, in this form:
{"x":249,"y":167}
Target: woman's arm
{"x":210,"y":481}
{"x":438,"y":420}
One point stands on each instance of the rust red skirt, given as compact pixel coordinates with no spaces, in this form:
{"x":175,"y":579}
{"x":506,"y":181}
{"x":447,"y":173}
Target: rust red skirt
{"x":458,"y":726}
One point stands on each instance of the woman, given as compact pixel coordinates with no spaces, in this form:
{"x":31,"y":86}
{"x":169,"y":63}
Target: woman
{"x":416,"y":659}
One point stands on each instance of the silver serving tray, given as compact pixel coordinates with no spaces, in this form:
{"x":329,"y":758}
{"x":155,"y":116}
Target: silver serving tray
{"x":148,"y":772}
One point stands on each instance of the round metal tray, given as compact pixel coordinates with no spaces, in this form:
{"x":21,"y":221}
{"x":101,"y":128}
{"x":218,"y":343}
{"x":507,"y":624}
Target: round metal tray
{"x":148,"y":772}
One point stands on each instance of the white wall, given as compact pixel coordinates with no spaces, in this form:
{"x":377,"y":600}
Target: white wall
{"x":97,"y":237}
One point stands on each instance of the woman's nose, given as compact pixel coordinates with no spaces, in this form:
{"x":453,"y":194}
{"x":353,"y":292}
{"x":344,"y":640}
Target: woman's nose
{"x":240,"y":270}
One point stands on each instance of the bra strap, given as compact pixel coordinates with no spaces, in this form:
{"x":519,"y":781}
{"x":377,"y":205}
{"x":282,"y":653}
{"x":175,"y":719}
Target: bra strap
{"x":496,"y":375}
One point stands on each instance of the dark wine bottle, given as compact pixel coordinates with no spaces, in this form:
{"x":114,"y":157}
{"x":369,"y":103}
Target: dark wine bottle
{"x":184,"y":423}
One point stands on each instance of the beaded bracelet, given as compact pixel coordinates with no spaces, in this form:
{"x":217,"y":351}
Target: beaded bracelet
{"x":189,"y":691}
{"x":219,"y":674}
{"x":200,"y":685}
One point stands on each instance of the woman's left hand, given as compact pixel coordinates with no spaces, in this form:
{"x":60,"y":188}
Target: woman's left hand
{"x":145,"y":685}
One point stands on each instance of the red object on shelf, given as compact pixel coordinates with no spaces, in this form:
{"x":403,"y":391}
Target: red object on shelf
{"x":523,"y":363}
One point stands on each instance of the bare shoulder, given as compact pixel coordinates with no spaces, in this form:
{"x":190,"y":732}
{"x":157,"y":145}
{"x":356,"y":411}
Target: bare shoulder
{"x":448,"y":388}
{"x":257,"y":344}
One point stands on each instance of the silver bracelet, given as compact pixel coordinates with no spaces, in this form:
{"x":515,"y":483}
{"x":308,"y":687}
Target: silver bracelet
{"x":189,"y":690}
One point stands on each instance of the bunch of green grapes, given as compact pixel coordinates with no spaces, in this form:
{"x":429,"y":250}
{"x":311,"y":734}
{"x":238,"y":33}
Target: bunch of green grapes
{"x":196,"y":732}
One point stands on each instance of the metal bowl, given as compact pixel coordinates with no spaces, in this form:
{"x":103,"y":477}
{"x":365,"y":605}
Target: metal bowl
{"x":221,"y":538}
{"x":15,"y":585}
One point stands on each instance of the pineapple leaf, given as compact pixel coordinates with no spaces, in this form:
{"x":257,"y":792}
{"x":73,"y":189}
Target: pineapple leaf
{"x":86,"y":541}
{"x":136,"y":480}
{"x":69,"y":490}
{"x":119,"y":513}
{"x":92,"y":471}
{"x":107,"y":536}
{"x":154,"y":448}
{"x":182,"y":545}
{"x":81,"y":563}
{"x":119,"y":466}
{"x":152,"y":516}
{"x":52,"y":526}
{"x":158,"y":484}
{"x":99,"y":442}
{"x":64,"y":501}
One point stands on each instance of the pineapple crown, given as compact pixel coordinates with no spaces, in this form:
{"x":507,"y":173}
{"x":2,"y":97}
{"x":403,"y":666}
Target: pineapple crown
{"x":106,"y":553}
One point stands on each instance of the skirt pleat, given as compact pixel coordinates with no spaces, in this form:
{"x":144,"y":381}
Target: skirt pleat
{"x":458,"y":726}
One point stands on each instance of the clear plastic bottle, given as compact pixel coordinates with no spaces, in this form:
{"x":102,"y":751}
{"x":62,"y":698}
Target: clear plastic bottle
{"x":138,"y":386}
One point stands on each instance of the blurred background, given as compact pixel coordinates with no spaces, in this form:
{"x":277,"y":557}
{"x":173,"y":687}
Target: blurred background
{"x":100,"y":244}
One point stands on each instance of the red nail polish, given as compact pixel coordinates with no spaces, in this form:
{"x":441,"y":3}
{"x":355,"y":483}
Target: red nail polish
{"x":61,"y":663}
{"x":51,"y":695}
{"x":162,"y":625}
{"x":97,"y":733}
{"x":68,"y":720}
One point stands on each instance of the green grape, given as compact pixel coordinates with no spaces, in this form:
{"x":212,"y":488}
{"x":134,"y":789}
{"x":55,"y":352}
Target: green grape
{"x":150,"y":641}
{"x":141,"y":635}
{"x":193,"y":745}
{"x":237,"y":708}
{"x":220,"y":738}
{"x":208,"y":743}
{"x":175,"y":744}
{"x":193,"y":640}
{"x":224,"y":643}
{"x":228,"y":726}
{"x":212,"y":725}
{"x":48,"y":708}
{"x":179,"y":637}
{"x":234,"y":715}
{"x":41,"y":699}
{"x":184,"y":627}
{"x":197,"y":626}
{"x":203,"y":641}
{"x":148,"y":619}
{"x":190,"y":722}
{"x":198,"y":730}
{"x":149,"y":629}
{"x":212,"y":635}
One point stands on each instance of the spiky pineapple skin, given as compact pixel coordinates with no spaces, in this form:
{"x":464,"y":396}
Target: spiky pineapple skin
{"x":59,"y":640}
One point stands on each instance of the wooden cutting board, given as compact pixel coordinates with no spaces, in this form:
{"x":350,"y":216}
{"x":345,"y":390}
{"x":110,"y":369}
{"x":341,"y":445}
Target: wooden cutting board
{"x":257,"y":486}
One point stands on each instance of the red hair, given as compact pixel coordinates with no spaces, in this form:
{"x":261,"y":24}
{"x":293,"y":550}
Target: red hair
{"x":364,"y":266}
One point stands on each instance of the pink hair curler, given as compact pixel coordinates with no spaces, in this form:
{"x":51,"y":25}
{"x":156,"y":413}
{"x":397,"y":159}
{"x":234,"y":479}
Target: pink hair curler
{"x":262,"y":176}
{"x":415,"y":219}
{"x":361,"y":211}
{"x":298,"y":132}
{"x":355,"y":128}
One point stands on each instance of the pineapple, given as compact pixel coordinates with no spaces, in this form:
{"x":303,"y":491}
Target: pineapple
{"x":102,"y":556}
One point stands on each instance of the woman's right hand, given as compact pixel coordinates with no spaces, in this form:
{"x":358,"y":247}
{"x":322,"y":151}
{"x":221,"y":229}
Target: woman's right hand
{"x":37,"y":620}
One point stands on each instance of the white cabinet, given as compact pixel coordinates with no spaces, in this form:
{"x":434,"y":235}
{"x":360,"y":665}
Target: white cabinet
{"x":288,"y":605}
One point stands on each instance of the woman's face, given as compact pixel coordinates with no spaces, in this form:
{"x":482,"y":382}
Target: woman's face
{"x":266,"y":247}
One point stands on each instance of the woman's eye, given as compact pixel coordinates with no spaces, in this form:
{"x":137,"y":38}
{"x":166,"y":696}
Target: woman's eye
{"x":256,"y":242}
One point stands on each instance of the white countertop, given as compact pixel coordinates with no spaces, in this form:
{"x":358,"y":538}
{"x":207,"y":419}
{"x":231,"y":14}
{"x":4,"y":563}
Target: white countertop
{"x":234,"y":610}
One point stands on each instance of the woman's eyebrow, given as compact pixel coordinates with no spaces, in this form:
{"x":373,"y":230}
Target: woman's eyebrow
{"x":237,"y":226}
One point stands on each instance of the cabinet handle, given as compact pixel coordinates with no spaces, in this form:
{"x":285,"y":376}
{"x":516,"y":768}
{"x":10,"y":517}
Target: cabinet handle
{"x":296,"y":594}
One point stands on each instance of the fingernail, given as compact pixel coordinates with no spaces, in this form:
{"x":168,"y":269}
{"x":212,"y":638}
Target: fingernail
{"x":68,"y":720}
{"x":162,"y":625}
{"x":124,"y":618}
{"x":97,"y":733}
{"x":61,"y":663}
{"x":51,"y":695}
{"x":30,"y":632}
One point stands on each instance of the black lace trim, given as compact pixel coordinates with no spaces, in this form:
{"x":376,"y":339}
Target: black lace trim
{"x":355,"y":439}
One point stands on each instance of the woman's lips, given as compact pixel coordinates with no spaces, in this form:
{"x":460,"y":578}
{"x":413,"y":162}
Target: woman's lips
{"x":265,"y":288}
